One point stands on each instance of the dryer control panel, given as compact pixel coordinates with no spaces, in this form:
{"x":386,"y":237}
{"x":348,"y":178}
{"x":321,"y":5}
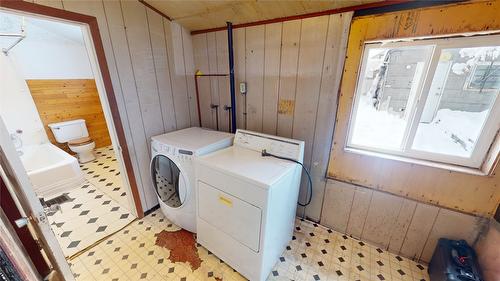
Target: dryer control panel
{"x":284,"y":147}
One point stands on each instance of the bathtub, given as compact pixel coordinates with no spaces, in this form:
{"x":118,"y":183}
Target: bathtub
{"x":52,"y":171}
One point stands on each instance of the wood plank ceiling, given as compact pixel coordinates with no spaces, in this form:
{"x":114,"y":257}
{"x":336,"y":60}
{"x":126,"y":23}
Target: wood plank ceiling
{"x":197,"y":15}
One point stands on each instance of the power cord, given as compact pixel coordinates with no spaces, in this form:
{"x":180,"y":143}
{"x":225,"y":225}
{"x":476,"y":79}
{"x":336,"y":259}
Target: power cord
{"x":266,"y":154}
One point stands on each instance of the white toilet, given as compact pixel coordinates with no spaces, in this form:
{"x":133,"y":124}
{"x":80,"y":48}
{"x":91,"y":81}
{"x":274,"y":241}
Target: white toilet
{"x":75,"y":133}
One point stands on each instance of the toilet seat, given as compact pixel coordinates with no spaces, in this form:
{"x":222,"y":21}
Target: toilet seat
{"x":80,"y":141}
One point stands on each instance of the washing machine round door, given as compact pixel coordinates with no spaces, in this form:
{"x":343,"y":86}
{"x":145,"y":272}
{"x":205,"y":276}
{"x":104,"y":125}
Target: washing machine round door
{"x":169,"y":181}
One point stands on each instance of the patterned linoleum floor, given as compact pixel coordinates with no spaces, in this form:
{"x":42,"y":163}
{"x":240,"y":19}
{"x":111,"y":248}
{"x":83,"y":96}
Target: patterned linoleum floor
{"x":95,"y":209}
{"x":315,"y":253}
{"x":104,"y":172}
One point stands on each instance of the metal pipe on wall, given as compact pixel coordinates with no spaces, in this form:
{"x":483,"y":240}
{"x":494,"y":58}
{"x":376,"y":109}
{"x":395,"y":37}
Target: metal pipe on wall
{"x":231,"y":75}
{"x":228,"y":108}
{"x":216,"y":107}
{"x":197,"y":98}
{"x":232,"y":108}
{"x":200,"y":74}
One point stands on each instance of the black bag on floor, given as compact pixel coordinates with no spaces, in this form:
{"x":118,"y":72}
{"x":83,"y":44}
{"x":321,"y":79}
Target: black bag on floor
{"x":454,"y":261}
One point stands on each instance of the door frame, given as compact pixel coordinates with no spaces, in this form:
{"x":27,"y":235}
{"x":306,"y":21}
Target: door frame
{"x":12,"y":213}
{"x":21,"y":189}
{"x":93,"y":28}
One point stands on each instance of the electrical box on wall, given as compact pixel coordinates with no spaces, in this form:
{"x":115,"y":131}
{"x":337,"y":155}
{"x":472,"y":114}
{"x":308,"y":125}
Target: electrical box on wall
{"x":243,"y":88}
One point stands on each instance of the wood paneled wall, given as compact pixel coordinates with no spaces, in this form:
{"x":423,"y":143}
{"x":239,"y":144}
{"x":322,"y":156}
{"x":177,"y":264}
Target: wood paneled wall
{"x":400,"y":225}
{"x":465,"y":192}
{"x":292,"y":72}
{"x":150,"y":60}
{"x":64,"y":100}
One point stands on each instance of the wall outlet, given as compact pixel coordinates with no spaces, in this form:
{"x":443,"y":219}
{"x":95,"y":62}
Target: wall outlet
{"x":243,"y":88}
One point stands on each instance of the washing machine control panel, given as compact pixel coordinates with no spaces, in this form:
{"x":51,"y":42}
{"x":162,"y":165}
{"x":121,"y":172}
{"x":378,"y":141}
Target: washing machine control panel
{"x":169,"y":150}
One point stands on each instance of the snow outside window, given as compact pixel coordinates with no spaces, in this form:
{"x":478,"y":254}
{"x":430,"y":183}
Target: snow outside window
{"x":433,"y":100}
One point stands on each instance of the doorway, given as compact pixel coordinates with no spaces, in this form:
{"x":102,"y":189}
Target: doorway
{"x":55,"y":74}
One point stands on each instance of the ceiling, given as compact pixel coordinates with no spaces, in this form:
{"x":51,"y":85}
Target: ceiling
{"x":197,"y":15}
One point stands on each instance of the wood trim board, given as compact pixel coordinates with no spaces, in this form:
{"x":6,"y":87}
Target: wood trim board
{"x":154,"y":9}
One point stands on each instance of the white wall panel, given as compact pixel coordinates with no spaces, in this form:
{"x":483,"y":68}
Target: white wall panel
{"x":162,"y":72}
{"x":214,"y":81}
{"x":114,"y":17}
{"x":173,"y":35}
{"x":397,"y":224}
{"x":143,"y":67}
{"x":223,"y":82}
{"x":400,"y":227}
{"x":381,"y":218}
{"x":187,"y":48}
{"x":254,"y":76}
{"x":336,"y":45}
{"x":338,"y":206}
{"x":290,"y":46}
{"x":359,"y":211}
{"x":272,"y":59}
{"x":309,"y":70}
{"x":239,"y":47}
{"x":201,"y":62}
{"x":421,"y":224}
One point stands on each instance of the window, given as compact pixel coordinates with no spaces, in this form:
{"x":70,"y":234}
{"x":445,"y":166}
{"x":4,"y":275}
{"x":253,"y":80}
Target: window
{"x":485,"y":77}
{"x":434,"y":100}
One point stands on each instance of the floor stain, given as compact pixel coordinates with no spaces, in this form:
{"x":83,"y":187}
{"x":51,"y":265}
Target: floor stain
{"x":182,"y":246}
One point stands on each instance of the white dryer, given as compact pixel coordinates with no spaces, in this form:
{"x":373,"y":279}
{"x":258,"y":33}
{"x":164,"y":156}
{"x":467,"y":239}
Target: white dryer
{"x":247,"y":201}
{"x":172,"y":170}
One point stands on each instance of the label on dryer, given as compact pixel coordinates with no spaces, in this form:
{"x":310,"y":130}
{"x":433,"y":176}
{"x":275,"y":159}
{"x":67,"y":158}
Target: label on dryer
{"x":225,"y":201}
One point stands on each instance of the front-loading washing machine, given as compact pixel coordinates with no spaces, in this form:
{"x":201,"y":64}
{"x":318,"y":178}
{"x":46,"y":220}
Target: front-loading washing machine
{"x":173,"y":172}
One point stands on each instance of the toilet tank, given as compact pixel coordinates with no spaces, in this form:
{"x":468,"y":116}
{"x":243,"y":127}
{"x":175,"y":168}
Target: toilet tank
{"x":69,"y":130}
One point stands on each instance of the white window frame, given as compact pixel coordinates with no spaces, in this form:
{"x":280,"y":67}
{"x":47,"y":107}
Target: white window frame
{"x":467,"y":86}
{"x":488,"y":142}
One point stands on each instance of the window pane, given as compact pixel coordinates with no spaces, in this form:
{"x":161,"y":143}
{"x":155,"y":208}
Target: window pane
{"x":485,"y":77}
{"x":462,"y":93}
{"x":386,"y":94}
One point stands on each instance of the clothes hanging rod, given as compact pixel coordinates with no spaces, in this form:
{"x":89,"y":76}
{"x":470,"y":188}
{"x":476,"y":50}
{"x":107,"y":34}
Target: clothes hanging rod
{"x":6,"y":50}
{"x":12,"y":34}
{"x":20,"y":36}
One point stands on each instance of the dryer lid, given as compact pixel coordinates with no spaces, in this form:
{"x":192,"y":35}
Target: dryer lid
{"x":248,"y":164}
